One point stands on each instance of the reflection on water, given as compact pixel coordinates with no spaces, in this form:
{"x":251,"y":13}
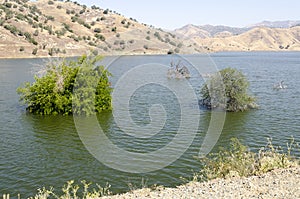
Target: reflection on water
{"x":40,"y":151}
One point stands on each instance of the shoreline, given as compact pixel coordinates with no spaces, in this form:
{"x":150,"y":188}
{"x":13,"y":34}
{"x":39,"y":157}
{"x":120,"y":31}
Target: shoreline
{"x":278,"y":183}
{"x":142,"y":54}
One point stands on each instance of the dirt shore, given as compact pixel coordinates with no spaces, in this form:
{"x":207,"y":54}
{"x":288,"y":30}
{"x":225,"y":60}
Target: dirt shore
{"x":280,"y":183}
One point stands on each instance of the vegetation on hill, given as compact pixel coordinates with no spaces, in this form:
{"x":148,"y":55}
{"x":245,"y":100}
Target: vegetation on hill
{"x":57,"y":28}
{"x":234,"y":85}
{"x":68,"y":87}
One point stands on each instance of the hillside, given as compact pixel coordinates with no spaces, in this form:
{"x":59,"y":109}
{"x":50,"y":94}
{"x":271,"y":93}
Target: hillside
{"x":207,"y":31}
{"x":55,"y":28}
{"x":264,"y":36}
{"x":256,"y":39}
{"x":46,"y":28}
{"x":276,"y":24}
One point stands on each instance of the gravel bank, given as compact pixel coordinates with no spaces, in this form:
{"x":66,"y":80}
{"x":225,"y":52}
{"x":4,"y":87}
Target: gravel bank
{"x":281,"y":183}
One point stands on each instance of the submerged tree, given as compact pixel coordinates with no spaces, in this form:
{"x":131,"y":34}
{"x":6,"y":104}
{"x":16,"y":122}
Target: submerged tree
{"x":68,"y":87}
{"x":227,"y":90}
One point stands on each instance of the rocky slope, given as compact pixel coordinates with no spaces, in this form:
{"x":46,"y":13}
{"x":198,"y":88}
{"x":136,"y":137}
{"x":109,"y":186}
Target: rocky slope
{"x":280,"y":183}
{"x":56,"y":28}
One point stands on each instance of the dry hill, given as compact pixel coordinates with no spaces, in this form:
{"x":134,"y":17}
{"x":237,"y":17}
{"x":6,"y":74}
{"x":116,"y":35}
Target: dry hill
{"x":57,"y":28}
{"x":257,"y":39}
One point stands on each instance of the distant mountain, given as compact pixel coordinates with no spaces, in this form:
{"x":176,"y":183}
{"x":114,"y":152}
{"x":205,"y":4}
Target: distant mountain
{"x":213,"y":30}
{"x":206,"y":31}
{"x":191,"y":31}
{"x":256,"y":39}
{"x":276,"y":24}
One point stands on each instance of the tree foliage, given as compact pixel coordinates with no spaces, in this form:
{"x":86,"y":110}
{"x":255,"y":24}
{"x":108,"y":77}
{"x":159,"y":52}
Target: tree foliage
{"x":233,"y":85}
{"x":68,"y":87}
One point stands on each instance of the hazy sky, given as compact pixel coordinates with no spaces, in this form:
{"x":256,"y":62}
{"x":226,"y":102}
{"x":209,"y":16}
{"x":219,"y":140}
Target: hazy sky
{"x":177,"y":13}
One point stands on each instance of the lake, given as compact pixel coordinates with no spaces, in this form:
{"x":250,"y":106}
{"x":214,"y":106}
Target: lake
{"x":39,"y":151}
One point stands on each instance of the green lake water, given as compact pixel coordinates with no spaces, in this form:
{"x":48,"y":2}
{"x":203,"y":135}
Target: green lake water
{"x":37,"y":151}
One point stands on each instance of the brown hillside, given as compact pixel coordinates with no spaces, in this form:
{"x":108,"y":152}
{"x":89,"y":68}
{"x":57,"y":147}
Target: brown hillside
{"x":56,"y":28}
{"x":257,"y":39}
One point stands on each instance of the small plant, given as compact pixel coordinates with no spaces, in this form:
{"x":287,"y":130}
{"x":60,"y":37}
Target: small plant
{"x":105,"y":11}
{"x":34,"y":52}
{"x":97,"y":30}
{"x":71,"y":191}
{"x":99,"y":36}
{"x":22,"y":49}
{"x":170,"y":52}
{"x":238,"y":160}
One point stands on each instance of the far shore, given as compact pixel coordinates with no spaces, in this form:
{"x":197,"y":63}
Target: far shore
{"x":137,"y":54}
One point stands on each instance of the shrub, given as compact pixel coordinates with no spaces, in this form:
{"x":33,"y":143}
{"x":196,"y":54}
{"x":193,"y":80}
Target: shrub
{"x":123,"y":21}
{"x":22,"y":49}
{"x":97,"y":30}
{"x":70,"y":190}
{"x":238,"y":160}
{"x":99,"y":36}
{"x":34,"y":52}
{"x":234,"y":85}
{"x":148,"y":38}
{"x":170,"y":52}
{"x":105,"y":11}
{"x":50,"y":2}
{"x":52,"y":92}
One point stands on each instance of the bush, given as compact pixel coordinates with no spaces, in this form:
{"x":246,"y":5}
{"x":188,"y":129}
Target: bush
{"x":34,"y":52}
{"x":233,"y":85}
{"x":71,"y":190}
{"x":170,"y":52}
{"x":52,"y":93}
{"x":105,"y":11}
{"x":99,"y":36}
{"x":97,"y":30}
{"x":238,"y":160}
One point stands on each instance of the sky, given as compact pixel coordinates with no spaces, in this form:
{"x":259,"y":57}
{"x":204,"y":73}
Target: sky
{"x":174,"y":14}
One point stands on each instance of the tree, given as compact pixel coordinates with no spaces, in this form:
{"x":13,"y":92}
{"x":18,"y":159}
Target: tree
{"x":233,"y":85}
{"x":69,"y":87}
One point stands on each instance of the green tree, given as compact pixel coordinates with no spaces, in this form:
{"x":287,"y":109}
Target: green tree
{"x":69,"y":87}
{"x":228,"y":90}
